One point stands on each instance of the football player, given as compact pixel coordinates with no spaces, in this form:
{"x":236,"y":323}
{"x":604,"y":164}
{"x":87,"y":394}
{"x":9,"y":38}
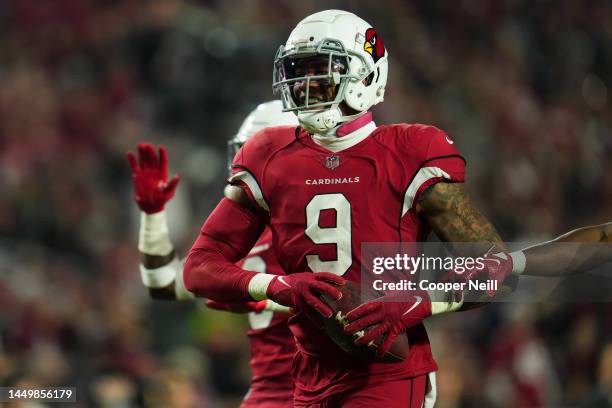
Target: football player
{"x":323,"y":188}
{"x":272,"y":344}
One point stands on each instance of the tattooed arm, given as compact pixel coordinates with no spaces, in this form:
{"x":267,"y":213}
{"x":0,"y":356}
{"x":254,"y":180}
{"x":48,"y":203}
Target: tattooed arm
{"x":448,"y":211}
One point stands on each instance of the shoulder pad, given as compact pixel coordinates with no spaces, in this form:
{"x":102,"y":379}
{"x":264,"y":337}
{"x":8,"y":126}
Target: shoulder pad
{"x":422,"y":142}
{"x":262,"y":145}
{"x":251,"y":160}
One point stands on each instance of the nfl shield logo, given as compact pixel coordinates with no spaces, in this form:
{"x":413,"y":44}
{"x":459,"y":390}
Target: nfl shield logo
{"x":331,"y":162}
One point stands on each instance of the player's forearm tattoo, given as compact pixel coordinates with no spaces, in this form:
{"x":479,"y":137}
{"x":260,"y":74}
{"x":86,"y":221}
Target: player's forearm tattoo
{"x":449,"y":213}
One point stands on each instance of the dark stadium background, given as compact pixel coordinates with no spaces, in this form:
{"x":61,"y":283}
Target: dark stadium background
{"x":521,"y":86}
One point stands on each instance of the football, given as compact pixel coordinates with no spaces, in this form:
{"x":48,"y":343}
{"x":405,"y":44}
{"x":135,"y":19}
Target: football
{"x":334,"y":327}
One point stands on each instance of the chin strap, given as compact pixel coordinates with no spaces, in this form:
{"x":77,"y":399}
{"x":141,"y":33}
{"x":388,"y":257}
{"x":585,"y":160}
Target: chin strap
{"x":320,"y":121}
{"x":325,"y":122}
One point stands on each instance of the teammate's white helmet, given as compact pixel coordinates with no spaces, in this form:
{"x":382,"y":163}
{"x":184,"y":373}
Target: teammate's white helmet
{"x":265,"y":115}
{"x":351,"y":58}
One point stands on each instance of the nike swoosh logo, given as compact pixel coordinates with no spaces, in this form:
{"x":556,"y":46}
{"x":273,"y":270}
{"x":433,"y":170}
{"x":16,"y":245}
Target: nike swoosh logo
{"x":259,"y":248}
{"x":449,"y":141}
{"x":495,"y":260}
{"x":280,"y":278}
{"x":418,"y":301}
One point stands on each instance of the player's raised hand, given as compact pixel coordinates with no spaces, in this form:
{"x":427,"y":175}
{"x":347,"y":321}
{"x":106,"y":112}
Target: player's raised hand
{"x":152,"y":189}
{"x":245,"y":307}
{"x":304,"y":289}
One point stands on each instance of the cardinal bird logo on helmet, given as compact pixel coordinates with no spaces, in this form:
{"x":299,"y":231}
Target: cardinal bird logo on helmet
{"x":373,"y":44}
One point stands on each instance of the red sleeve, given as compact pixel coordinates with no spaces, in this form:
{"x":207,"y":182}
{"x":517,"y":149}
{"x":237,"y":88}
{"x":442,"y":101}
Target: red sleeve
{"x":247,"y":168}
{"x":438,"y":160}
{"x":226,"y":237}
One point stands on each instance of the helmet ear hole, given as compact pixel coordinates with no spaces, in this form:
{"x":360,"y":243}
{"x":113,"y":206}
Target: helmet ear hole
{"x":372,"y":77}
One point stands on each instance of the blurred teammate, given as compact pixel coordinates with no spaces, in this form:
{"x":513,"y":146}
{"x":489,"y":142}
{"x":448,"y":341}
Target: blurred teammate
{"x":324,"y":188}
{"x":272,"y":344}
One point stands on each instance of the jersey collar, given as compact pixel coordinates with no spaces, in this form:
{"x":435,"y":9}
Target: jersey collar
{"x":349,"y":127}
{"x":348,"y":134}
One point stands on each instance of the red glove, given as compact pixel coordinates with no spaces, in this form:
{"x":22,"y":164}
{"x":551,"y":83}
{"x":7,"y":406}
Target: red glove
{"x":304,"y":289}
{"x":496,"y":267}
{"x":246,"y":307}
{"x":152,"y":190}
{"x":389,"y":315}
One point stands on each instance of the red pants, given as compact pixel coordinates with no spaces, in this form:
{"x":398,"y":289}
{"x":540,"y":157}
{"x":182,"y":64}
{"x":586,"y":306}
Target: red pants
{"x":408,"y":393}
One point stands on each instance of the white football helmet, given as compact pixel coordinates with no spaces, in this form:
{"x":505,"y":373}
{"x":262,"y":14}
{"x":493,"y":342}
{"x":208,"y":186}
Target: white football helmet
{"x":265,"y":115}
{"x":336,"y":49}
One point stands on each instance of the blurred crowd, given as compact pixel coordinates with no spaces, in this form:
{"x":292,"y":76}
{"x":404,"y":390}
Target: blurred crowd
{"x":521,"y":86}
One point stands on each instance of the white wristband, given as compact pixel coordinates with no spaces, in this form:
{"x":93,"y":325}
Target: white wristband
{"x":179,"y":284}
{"x":519,"y":261}
{"x":158,"y":277}
{"x":258,"y":286}
{"x":153,"y":237}
{"x":446,"y":307}
{"x":275,"y":307}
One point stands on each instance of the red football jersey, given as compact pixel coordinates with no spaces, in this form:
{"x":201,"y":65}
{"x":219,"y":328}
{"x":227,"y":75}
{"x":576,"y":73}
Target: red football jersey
{"x":272,"y":344}
{"x":322,"y":205}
